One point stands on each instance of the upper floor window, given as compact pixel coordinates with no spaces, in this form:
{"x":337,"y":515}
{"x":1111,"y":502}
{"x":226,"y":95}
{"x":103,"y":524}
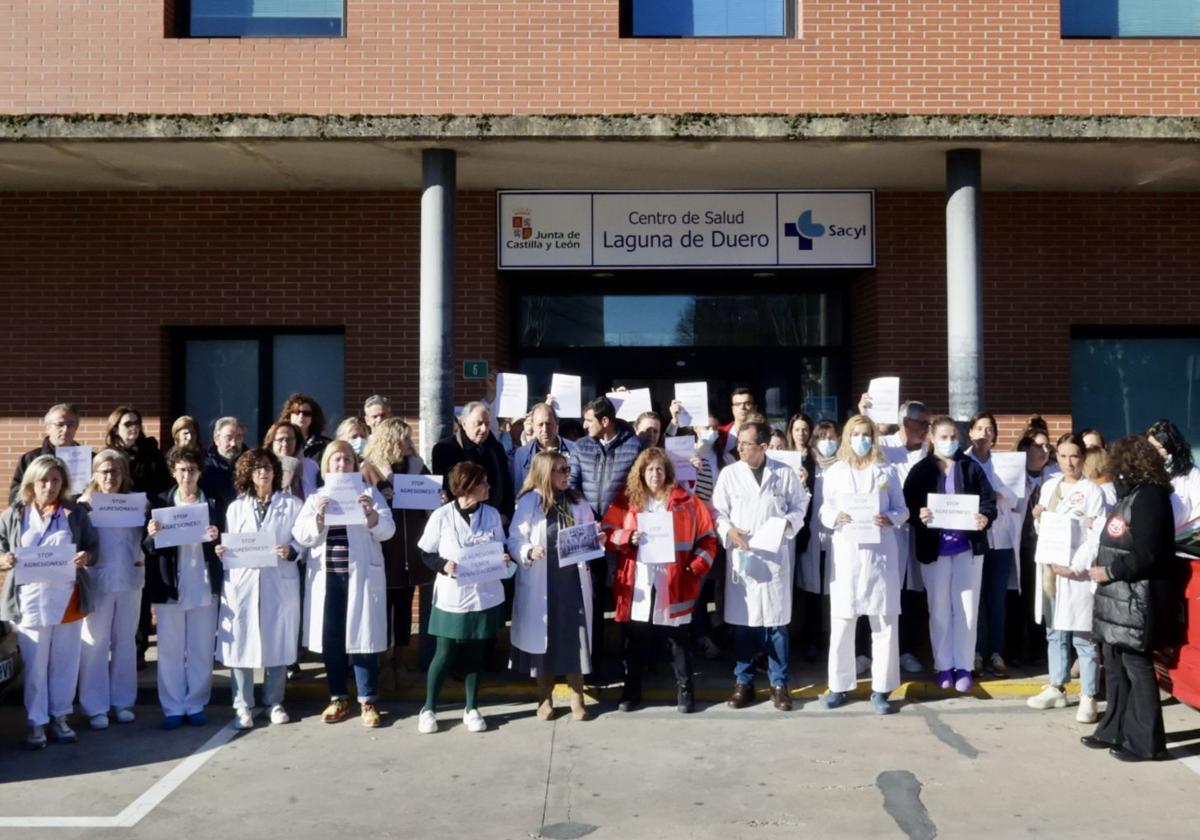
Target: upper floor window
{"x":1130,"y":18}
{"x":707,"y":18}
{"x":261,"y":18}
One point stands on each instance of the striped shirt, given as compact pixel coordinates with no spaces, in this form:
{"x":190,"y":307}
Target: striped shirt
{"x":704,"y":481}
{"x":337,"y":551}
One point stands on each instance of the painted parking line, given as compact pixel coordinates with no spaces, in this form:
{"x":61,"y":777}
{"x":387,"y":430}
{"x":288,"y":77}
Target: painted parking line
{"x":144,"y":804}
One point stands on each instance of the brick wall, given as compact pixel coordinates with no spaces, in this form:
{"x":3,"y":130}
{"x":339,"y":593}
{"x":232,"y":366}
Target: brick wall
{"x":565,"y":56}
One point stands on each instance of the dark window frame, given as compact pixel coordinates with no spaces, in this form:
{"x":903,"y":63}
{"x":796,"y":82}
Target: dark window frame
{"x":1114,"y":36}
{"x":178,"y":18}
{"x":180,"y":335}
{"x":791,"y":26}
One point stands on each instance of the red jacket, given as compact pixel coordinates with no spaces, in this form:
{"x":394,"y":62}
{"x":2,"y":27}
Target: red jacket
{"x":695,"y":549}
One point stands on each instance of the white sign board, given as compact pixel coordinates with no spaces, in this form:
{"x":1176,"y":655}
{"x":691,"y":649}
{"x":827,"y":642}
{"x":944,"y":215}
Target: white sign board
{"x":181,"y":525}
{"x":567,"y":391}
{"x":658,"y":546}
{"x":343,"y":490}
{"x":751,"y":229}
{"x":1010,"y":469}
{"x":694,"y":398}
{"x":45,"y":564}
{"x":78,"y":461}
{"x":118,"y":510}
{"x":885,"y":400}
{"x":863,"y":508}
{"x":252,"y":550}
{"x":579,"y":544}
{"x":416,"y":492}
{"x":512,"y":395}
{"x":630,"y":404}
{"x":954,"y":511}
{"x":680,"y":449}
{"x":1058,"y":534}
{"x":481,"y":563}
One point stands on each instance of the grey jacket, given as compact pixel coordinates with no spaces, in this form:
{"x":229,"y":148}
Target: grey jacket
{"x":83,"y":535}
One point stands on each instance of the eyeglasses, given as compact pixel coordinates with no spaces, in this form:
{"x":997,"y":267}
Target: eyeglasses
{"x":187,"y":470}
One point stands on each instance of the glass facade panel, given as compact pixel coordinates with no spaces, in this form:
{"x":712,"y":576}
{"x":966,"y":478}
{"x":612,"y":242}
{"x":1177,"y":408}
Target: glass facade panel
{"x":1130,"y":18}
{"x":1121,"y":386}
{"x":267,"y":18}
{"x":707,"y":18}
{"x":221,"y":379}
{"x":314,"y":365}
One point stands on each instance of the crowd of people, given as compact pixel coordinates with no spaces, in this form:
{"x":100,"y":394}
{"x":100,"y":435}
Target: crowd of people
{"x":833,"y":535}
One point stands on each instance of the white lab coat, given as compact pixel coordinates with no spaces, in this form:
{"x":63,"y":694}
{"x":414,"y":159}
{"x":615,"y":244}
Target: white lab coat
{"x":530,"y":601}
{"x":1187,"y":491}
{"x":810,"y":578}
{"x":758,"y":585}
{"x":1072,"y":606}
{"x":864,"y":579}
{"x":903,"y":460}
{"x":1005,"y":533}
{"x":258,"y":624}
{"x":366,"y":616}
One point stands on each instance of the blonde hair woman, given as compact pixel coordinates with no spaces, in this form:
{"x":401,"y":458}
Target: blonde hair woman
{"x":47,"y":615}
{"x":355,"y":432}
{"x":864,"y":563}
{"x":108,"y":661}
{"x":552,"y":604}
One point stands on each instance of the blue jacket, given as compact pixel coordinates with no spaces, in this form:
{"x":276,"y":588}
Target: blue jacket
{"x":599,"y":472}
{"x":522,"y":458}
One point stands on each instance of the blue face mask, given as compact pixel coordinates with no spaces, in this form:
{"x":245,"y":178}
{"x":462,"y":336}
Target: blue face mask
{"x":826,"y":447}
{"x":946,"y":448}
{"x":860,"y":445}
{"x":708,"y":437}
{"x":359,"y":446}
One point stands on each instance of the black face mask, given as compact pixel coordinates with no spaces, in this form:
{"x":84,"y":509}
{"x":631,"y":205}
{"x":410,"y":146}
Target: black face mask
{"x":1123,"y":489}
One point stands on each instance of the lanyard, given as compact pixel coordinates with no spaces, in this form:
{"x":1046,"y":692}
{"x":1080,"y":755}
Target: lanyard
{"x":50,"y":528}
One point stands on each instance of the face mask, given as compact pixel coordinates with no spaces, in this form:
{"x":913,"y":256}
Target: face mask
{"x":860,"y":445}
{"x":359,"y":445}
{"x":826,"y":447}
{"x":946,"y":448}
{"x":707,"y":437}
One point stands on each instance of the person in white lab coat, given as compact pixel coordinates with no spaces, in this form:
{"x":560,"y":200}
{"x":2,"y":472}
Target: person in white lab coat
{"x":345,"y":590}
{"x":47,"y":615}
{"x":1063,"y":593}
{"x":864,"y":576}
{"x":749,"y":494}
{"x":258,"y":624}
{"x":108,"y":659}
{"x":1170,"y":443}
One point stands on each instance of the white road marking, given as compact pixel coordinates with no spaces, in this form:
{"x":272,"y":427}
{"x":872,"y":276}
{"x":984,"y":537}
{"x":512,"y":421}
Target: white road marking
{"x":144,"y":804}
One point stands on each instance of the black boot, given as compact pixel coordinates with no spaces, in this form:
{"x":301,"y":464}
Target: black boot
{"x":686,"y":701}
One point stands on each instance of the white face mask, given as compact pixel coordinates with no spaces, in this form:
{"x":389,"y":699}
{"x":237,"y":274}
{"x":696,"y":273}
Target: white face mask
{"x":826,"y":447}
{"x":359,"y":445}
{"x":707,"y":438}
{"x":946,"y":448}
{"x":860,"y":445}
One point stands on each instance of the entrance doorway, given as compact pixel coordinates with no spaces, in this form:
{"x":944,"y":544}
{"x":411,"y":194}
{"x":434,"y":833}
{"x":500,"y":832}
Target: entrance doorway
{"x":784,"y":337}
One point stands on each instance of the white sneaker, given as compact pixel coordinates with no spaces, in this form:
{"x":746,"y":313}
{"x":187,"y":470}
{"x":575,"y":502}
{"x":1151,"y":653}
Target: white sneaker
{"x":474,"y":721}
{"x":862,"y":664}
{"x":427,"y":722}
{"x":244,"y":719}
{"x":99,"y":721}
{"x":1049,"y":698}
{"x":125,"y":715}
{"x":279,"y":715}
{"x":1089,"y":711}
{"x":61,"y":732}
{"x":909,"y":664}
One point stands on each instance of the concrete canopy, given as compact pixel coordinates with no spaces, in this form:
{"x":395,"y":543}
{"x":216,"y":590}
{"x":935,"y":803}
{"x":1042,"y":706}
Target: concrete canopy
{"x":302,"y":153}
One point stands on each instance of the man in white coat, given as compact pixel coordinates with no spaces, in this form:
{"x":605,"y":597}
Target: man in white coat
{"x":750,"y":495}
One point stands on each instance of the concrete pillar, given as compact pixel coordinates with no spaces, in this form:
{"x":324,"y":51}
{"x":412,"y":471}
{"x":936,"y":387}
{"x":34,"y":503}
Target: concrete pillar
{"x":964,"y":279}
{"x":438,"y":187}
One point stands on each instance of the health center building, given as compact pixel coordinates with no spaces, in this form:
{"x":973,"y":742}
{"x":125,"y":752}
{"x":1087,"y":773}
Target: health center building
{"x":207,"y":205}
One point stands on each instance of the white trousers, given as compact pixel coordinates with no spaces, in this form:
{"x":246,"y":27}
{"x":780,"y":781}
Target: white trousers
{"x":952,"y":586}
{"x":885,"y":654}
{"x":187,"y":640}
{"x":51,"y":660}
{"x":108,"y":660}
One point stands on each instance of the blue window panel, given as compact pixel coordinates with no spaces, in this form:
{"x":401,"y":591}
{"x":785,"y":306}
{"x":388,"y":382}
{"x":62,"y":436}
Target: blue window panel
{"x":709,"y":18}
{"x":313,"y":365}
{"x":221,"y":379}
{"x":267,"y":18}
{"x":1130,"y":18}
{"x":1121,"y":386}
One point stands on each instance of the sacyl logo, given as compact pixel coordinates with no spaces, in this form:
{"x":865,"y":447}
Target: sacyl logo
{"x":805,"y":230}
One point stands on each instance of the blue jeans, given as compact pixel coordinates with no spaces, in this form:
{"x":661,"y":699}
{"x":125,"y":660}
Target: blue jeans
{"x":993,"y":593}
{"x":1058,"y":654}
{"x":274,"y":680}
{"x":747,"y":641}
{"x":333,"y":646}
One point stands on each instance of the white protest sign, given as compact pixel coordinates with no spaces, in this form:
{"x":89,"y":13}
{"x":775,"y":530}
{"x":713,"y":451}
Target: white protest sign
{"x":253,"y":550}
{"x":567,"y":391}
{"x":953,"y":511}
{"x":1058,"y":534}
{"x":630,"y":404}
{"x":480,"y":563}
{"x":78,"y":460}
{"x":885,"y":400}
{"x":343,"y":490}
{"x":694,"y":397}
{"x":793,"y":458}
{"x":416,"y":492}
{"x":118,"y":510}
{"x":181,"y":525}
{"x":658,"y":546}
{"x":681,"y":448}
{"x":1010,"y":469}
{"x":512,"y":395}
{"x":863,"y":508}
{"x":578,"y":544}
{"x":45,"y":564}
{"x":768,"y":536}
